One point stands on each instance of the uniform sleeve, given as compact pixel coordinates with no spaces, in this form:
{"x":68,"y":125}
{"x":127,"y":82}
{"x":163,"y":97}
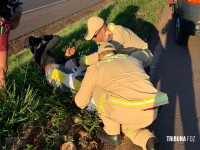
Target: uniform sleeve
{"x":129,"y":39}
{"x":127,"y":51}
{"x":85,"y":92}
{"x":89,"y":59}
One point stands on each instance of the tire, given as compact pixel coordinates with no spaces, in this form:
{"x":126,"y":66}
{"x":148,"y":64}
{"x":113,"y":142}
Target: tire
{"x":180,"y":37}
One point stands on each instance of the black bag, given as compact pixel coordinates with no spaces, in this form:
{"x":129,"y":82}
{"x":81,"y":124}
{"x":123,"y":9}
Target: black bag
{"x":7,"y":8}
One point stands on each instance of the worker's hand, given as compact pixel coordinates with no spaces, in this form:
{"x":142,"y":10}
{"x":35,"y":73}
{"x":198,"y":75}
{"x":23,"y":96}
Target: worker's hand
{"x":70,"y":51}
{"x":2,"y":20}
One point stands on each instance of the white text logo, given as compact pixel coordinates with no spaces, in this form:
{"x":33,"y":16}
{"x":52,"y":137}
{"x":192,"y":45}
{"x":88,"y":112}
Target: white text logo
{"x":180,"y":138}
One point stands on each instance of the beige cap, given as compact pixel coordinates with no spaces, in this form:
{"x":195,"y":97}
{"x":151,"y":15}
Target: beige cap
{"x":106,"y":46}
{"x":94,"y":24}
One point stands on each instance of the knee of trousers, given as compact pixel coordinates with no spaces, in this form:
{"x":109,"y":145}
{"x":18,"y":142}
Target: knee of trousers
{"x":138,"y":136}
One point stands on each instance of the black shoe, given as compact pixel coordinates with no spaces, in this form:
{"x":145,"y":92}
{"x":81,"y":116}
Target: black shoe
{"x":112,"y":139}
{"x":153,"y":144}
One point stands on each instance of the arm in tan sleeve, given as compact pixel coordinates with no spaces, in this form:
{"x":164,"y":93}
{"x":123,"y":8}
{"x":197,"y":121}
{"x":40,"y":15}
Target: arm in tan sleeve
{"x":129,"y":39}
{"x":121,"y":50}
{"x":84,"y":94}
{"x":128,"y":50}
{"x":89,"y":59}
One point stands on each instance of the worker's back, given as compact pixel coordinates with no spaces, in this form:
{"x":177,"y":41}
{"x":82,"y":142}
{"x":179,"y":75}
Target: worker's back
{"x":125,"y":78}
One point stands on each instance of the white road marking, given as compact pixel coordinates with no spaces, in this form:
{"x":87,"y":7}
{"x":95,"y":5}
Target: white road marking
{"x":28,"y":11}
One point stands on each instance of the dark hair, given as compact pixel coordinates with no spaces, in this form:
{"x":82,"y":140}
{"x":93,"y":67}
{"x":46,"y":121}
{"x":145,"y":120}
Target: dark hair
{"x":32,"y":41}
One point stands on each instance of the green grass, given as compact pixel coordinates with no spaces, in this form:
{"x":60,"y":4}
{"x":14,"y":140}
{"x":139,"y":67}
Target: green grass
{"x":28,"y":101}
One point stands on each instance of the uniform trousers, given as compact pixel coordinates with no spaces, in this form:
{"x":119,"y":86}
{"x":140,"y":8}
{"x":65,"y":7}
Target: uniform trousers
{"x":133,"y":124}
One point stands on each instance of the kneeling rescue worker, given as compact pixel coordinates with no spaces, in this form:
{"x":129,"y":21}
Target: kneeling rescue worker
{"x":123,"y":96}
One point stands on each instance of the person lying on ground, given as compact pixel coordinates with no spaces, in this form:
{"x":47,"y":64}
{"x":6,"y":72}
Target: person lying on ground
{"x":57,"y":75}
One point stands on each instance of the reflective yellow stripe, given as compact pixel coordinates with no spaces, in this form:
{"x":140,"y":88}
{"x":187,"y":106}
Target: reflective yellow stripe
{"x":130,"y":133}
{"x":84,"y":60}
{"x":67,"y":79}
{"x":58,"y":76}
{"x":111,"y":27}
{"x":160,"y":98}
{"x":114,"y":57}
{"x":102,"y":99}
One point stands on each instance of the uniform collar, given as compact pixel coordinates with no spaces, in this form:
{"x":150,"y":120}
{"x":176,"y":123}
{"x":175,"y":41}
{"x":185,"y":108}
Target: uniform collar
{"x":107,"y":56}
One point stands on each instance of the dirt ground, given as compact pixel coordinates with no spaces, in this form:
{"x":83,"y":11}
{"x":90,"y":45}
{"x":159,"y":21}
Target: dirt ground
{"x":17,"y":45}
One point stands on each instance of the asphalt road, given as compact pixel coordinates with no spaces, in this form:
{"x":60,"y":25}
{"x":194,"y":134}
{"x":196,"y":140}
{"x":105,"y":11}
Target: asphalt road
{"x":178,"y":74}
{"x":37,"y":13}
{"x":29,"y":6}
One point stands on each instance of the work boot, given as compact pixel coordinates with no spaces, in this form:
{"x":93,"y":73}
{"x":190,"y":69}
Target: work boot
{"x":112,"y":139}
{"x":153,"y":144}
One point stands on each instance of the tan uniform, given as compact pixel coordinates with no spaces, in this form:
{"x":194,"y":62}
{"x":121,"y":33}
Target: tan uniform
{"x":121,"y":91}
{"x":125,"y":42}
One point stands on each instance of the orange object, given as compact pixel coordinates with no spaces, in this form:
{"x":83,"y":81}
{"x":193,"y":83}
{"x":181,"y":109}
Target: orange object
{"x":170,"y":1}
{"x":193,"y":1}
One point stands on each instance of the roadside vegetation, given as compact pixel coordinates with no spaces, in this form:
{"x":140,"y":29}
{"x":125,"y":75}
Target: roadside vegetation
{"x":32,"y":115}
